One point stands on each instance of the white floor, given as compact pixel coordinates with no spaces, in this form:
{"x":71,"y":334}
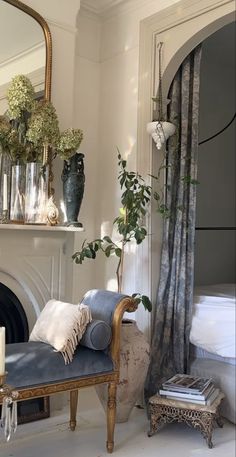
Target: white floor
{"x":52,"y":438}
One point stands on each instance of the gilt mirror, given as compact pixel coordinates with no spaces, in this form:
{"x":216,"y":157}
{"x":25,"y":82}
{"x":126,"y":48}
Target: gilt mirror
{"x":25,"y":48}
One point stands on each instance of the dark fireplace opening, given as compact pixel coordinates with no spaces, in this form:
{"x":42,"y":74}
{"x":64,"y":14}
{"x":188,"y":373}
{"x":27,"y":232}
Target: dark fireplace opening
{"x":12,"y":316}
{"x":14,"y":319}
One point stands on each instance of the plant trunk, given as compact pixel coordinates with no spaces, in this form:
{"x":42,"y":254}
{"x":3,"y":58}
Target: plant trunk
{"x":45,"y":154}
{"x":120,"y":268}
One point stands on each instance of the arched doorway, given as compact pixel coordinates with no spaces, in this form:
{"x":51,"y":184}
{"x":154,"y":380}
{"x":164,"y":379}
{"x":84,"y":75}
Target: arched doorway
{"x":181,"y":28}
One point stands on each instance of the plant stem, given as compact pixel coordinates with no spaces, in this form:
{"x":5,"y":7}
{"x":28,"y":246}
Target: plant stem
{"x":45,"y":154}
{"x":120,"y":268}
{"x":118,"y":276}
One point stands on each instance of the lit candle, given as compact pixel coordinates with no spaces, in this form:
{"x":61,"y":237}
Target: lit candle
{"x":4,"y":202}
{"x":2,"y":350}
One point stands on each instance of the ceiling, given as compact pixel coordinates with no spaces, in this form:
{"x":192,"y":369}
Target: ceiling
{"x":100,"y":6}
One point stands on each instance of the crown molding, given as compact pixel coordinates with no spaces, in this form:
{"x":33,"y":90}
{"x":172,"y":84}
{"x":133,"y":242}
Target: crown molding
{"x":62,"y":25}
{"x":110,"y":8}
{"x":100,"y":7}
{"x":87,"y":13}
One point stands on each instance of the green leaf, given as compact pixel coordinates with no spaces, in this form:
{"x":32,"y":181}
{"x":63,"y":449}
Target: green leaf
{"x":93,"y":254}
{"x":122,"y":180}
{"x":118,"y":252}
{"x":189,"y":180}
{"x":108,"y":239}
{"x":88,"y":253}
{"x":146,"y":302}
{"x":108,"y":250}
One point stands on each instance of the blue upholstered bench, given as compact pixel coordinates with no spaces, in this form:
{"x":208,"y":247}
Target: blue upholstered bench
{"x":35,"y":369}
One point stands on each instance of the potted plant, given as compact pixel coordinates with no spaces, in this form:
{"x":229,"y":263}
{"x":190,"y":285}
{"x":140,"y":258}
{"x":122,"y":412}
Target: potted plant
{"x":42,"y":133}
{"x":20,"y":97}
{"x":130,"y":225}
{"x":33,"y":128}
{"x":135,"y":200}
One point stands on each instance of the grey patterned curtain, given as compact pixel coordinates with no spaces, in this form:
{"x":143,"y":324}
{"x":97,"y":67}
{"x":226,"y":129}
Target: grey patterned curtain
{"x":172,"y":319}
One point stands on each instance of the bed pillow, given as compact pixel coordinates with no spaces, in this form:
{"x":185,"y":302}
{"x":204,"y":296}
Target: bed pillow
{"x":97,"y":335}
{"x":62,"y":326}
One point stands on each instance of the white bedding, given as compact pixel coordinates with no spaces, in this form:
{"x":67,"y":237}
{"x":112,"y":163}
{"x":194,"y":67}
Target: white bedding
{"x":213,"y":323}
{"x":199,"y":353}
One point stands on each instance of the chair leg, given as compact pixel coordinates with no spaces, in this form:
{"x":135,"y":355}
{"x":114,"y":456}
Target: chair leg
{"x":111,"y":415}
{"x":73,"y":408}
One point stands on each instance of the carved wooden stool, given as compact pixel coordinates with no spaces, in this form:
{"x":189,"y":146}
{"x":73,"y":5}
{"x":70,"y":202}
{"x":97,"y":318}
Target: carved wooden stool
{"x":202,"y":417}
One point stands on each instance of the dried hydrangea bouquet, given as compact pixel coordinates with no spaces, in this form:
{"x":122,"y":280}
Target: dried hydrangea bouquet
{"x":28,"y":130}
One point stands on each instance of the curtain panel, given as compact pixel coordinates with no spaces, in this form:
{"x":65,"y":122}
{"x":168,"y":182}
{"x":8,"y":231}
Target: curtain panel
{"x":173,"y":311}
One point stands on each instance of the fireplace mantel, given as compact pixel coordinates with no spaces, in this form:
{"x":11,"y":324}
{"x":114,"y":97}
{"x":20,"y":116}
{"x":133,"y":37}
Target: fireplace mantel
{"x":44,"y":228}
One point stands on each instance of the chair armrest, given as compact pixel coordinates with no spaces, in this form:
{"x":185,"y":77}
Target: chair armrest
{"x":127,"y":304}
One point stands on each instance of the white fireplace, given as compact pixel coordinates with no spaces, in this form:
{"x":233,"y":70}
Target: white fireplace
{"x":36,"y":265}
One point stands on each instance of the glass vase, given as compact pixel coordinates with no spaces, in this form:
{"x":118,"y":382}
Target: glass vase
{"x":5,"y":181}
{"x":17,"y":201}
{"x":36,"y":194}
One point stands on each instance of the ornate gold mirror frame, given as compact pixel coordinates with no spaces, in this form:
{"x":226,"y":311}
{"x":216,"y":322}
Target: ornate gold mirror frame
{"x":48,"y":42}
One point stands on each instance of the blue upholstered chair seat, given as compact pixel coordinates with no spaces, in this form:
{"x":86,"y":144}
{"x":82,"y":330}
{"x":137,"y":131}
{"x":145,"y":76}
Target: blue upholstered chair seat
{"x":33,"y":363}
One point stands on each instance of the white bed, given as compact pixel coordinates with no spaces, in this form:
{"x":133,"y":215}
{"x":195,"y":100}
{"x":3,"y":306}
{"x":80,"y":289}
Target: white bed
{"x":212,"y":340}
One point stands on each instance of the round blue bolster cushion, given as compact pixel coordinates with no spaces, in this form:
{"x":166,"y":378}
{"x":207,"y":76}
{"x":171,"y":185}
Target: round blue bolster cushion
{"x":97,"y":335}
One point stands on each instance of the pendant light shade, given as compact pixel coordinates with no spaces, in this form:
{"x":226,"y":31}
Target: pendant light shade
{"x":160,"y":131}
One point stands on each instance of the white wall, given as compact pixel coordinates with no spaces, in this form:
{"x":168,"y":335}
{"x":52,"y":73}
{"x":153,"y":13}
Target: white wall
{"x":87,"y":109}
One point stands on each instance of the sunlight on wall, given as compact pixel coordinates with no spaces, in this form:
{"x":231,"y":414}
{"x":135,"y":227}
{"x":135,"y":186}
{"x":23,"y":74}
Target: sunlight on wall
{"x":106,"y":228}
{"x":63,"y":210}
{"x":131,"y":143}
{"x":112,"y":284}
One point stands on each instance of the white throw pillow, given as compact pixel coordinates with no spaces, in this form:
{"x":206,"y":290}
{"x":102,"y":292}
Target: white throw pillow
{"x":62,"y":326}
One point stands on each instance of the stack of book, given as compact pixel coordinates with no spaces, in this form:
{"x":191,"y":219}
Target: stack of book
{"x":189,"y":388}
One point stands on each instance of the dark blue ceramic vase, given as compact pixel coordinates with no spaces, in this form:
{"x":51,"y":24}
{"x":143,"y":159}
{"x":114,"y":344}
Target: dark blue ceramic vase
{"x":73,"y":188}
